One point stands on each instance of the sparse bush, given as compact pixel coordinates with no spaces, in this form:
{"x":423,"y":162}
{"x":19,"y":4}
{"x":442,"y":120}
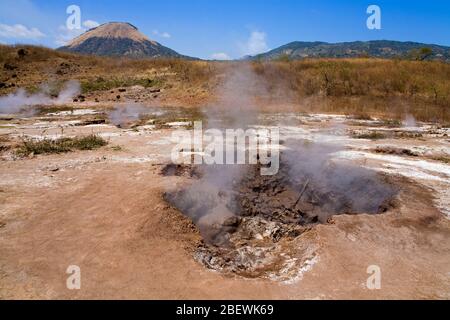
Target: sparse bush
{"x":362,"y":116}
{"x":370,"y":135}
{"x":53,"y":109}
{"x":116,"y":148}
{"x":443,"y":159}
{"x":392,"y":123}
{"x":101,"y":84}
{"x":61,"y":145}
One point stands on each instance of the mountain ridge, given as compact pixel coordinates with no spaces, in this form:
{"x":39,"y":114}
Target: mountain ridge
{"x":119,"y":39}
{"x":352,"y":49}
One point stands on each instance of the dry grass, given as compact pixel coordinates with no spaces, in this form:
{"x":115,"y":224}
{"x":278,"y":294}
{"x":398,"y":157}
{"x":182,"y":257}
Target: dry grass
{"x":62,"y":145}
{"x":42,"y":66}
{"x":444,"y":159}
{"x":369,"y":135}
{"x":364,"y":88}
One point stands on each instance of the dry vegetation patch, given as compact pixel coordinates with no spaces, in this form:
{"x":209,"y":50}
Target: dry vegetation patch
{"x":364,"y":87}
{"x":369,"y":135}
{"x":61,"y":145}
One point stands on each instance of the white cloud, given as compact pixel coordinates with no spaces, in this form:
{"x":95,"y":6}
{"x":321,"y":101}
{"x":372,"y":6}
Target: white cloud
{"x":162,"y":34}
{"x":256,"y":43}
{"x":89,"y":24}
{"x":65,"y":35}
{"x":20,"y":31}
{"x":220,"y":56}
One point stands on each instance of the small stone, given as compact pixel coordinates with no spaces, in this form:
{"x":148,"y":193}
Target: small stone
{"x":232,"y":222}
{"x":259,"y":237}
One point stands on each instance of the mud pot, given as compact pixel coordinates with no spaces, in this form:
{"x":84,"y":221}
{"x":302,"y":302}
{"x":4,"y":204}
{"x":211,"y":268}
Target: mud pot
{"x":257,"y":226}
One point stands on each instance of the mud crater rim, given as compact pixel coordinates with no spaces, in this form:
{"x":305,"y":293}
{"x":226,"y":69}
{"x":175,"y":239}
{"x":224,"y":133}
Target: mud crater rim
{"x":259,"y":227}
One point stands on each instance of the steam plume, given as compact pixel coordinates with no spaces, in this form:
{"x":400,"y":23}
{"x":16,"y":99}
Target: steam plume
{"x":20,"y":100}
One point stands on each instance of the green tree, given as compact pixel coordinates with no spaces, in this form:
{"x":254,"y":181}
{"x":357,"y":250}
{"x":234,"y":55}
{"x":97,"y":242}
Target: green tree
{"x":421,"y":54}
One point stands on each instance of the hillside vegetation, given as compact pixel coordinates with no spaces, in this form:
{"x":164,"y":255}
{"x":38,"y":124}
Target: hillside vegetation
{"x":375,"y":49}
{"x":366,"y":87}
{"x":362,"y":86}
{"x":189,"y":81}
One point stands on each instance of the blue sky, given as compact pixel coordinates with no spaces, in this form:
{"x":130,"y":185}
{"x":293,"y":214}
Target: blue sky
{"x":230,"y":28}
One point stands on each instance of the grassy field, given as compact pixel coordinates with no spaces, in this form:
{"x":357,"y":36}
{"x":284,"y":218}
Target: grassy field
{"x":365,"y":87}
{"x":362,"y":87}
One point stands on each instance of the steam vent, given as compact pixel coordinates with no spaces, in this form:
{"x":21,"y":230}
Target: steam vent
{"x":258,"y":226}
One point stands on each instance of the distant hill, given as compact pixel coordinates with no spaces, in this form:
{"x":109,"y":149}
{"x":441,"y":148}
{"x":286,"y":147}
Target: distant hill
{"x":119,"y":39}
{"x":378,"y":49}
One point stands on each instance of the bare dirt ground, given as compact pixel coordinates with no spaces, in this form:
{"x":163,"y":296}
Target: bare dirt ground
{"x":103,"y":210}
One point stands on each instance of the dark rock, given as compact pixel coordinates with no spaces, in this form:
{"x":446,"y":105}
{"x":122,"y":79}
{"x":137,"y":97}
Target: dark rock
{"x":122,"y":90}
{"x":232,"y":222}
{"x":21,"y":53}
{"x":396,"y":151}
{"x":64,"y":68}
{"x":89,"y":122}
{"x":8,"y":66}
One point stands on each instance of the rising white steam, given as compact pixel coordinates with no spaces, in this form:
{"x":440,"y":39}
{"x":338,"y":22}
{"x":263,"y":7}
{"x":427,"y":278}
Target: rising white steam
{"x":21,"y":101}
{"x":121,"y":116}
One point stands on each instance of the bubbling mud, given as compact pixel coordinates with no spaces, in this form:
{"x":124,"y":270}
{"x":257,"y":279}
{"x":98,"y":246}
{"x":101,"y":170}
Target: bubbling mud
{"x":260,"y":226}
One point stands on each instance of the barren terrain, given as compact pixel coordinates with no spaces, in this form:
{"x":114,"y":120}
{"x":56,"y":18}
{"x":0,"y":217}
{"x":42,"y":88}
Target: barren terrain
{"x":105,"y":209}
